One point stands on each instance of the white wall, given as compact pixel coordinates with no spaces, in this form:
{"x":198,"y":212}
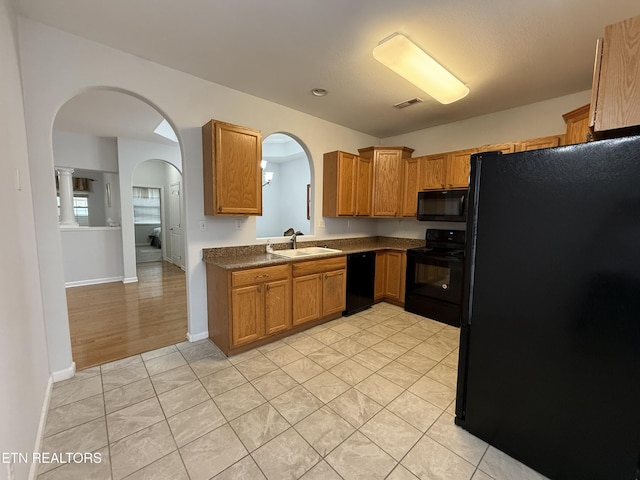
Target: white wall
{"x":58,"y":66}
{"x":24,"y":370}
{"x":91,"y":255}
{"x":86,"y":152}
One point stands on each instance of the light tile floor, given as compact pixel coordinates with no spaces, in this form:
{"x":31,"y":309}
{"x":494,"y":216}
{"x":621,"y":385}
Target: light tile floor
{"x":371,"y":396}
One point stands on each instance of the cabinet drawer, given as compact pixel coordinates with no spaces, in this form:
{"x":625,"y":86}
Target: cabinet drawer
{"x":259,"y":275}
{"x":318,"y":266}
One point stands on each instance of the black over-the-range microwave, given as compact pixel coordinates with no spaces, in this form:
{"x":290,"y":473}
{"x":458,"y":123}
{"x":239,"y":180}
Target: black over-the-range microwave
{"x":442,"y":205}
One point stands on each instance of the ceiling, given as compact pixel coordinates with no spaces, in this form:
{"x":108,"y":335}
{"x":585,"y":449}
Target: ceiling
{"x":508,"y":52}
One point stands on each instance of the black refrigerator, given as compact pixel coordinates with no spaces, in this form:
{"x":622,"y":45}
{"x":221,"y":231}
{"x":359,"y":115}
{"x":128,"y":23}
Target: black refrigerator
{"x":549,"y":368}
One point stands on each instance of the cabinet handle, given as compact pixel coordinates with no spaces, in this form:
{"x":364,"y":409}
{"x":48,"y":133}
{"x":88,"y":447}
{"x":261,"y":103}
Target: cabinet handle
{"x":259,"y":290}
{"x":219,"y":208}
{"x":264,"y":275}
{"x":327,"y":275}
{"x":267,"y":287}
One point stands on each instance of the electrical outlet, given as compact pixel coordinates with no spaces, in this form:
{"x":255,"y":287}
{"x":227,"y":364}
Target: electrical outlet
{"x":203,"y":226}
{"x":321,"y":223}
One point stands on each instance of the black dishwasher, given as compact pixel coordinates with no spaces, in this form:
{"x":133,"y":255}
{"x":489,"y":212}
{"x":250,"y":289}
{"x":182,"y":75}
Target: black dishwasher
{"x":361,"y":274}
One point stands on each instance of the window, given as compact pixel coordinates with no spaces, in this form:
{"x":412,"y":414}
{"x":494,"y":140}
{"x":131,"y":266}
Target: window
{"x":146,"y":205}
{"x":80,"y":208}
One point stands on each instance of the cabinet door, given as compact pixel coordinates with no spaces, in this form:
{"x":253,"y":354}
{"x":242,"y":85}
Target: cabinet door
{"x":346,"y":184}
{"x":509,"y":147}
{"x":616,"y":91}
{"x":364,"y":185}
{"x":577,"y":126}
{"x":393,"y":275}
{"x":231,"y":169}
{"x":334,"y":292}
{"x":432,"y":171}
{"x":238,"y":175}
{"x":247,"y":322}
{"x":277,"y":306}
{"x":379,"y":286}
{"x":307,"y":298}
{"x":387,"y":177}
{"x":457,"y":168}
{"x":410,"y":188}
{"x":542,"y":142}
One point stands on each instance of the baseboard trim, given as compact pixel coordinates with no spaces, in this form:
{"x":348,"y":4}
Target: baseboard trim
{"x":130,"y":280}
{"x":197,"y":336}
{"x":65,"y":374}
{"x":33,"y":471}
{"x":93,"y":281}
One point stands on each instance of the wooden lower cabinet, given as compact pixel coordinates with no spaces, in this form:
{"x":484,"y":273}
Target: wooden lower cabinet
{"x":277,"y":306}
{"x":251,"y":307}
{"x":391,"y":267}
{"x":307,"y":294}
{"x":245,"y":306}
{"x":319,"y":289}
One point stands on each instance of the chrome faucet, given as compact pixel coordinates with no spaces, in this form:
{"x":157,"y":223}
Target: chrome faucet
{"x":294,"y":239}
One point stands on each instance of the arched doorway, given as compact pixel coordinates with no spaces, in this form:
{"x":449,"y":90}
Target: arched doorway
{"x":105,"y":136}
{"x":286,"y":187}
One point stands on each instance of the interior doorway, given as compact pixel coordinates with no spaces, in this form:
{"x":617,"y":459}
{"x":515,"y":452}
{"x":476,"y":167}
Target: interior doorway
{"x":114,"y":136}
{"x":157,"y":213}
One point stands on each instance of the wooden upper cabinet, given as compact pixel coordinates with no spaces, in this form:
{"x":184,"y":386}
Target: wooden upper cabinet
{"x":231,"y":169}
{"x":508,"y":147}
{"x":432,"y":171}
{"x":364,"y":186}
{"x":347,"y":184}
{"x":577,"y":126}
{"x":387,"y":178}
{"x":411,"y":186}
{"x":445,"y":170}
{"x":458,"y":167}
{"x":615,"y":96}
{"x":541,"y":142}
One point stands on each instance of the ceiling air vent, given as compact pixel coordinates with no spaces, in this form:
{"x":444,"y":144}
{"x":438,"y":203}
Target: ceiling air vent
{"x":408,"y":103}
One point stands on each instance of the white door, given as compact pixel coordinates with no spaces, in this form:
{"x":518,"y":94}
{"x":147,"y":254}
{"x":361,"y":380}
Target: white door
{"x":175,"y":230}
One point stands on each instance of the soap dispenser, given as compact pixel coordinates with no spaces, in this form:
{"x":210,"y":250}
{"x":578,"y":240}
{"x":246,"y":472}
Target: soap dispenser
{"x":269,"y":246}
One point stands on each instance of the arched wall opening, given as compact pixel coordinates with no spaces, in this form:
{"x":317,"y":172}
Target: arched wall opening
{"x":287,"y":187}
{"x":106,"y":135}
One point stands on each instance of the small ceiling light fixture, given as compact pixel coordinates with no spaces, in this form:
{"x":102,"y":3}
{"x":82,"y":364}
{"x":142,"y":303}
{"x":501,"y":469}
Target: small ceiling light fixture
{"x":268,"y":178}
{"x":320,"y":92}
{"x":404,"y":57}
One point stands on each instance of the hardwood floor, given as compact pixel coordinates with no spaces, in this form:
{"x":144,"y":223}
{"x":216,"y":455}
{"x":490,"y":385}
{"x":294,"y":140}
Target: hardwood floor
{"x":115,"y":320}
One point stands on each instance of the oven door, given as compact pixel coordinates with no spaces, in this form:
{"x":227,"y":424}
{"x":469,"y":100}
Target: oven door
{"x":436,"y":277}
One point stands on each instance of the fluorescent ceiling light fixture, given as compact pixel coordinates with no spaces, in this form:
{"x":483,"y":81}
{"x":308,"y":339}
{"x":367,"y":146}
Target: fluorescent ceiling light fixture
{"x":165,"y":130}
{"x":410,"y":62}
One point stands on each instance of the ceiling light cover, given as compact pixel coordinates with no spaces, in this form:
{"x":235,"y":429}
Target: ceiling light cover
{"x":409,"y":61}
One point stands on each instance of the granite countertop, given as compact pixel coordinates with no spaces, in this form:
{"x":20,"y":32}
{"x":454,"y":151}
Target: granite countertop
{"x":251,"y":256}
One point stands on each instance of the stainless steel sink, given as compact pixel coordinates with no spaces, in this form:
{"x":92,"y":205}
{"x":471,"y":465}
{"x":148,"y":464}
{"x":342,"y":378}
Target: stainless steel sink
{"x":305,"y":252}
